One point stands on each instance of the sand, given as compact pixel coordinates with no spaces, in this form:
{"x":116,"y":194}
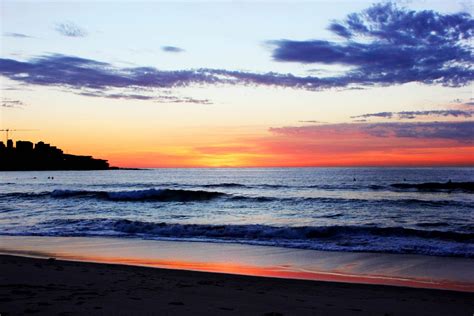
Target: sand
{"x":56,"y":287}
{"x":349,"y":267}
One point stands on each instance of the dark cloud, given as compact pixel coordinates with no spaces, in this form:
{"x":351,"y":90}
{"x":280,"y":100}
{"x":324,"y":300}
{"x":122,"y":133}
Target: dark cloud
{"x":70,"y":29}
{"x":85,"y":74}
{"x":79,"y":74}
{"x":172,"y":49}
{"x":457,"y":131}
{"x":415,"y":114}
{"x":8,"y":103}
{"x":387,"y":45}
{"x":17,"y":35}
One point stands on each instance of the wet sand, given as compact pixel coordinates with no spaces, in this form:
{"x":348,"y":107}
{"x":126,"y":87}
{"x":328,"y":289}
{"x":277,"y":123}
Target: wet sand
{"x":349,"y":267}
{"x":53,"y":287}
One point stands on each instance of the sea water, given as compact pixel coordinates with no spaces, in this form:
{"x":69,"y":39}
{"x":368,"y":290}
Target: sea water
{"x":336,"y":209}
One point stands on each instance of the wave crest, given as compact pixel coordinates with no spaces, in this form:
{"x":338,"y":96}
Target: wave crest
{"x":332,"y":238}
{"x":163,"y":195}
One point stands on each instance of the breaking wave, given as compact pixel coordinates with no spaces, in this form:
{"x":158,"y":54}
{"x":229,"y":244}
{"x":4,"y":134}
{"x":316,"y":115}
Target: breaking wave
{"x":181,"y":195}
{"x":333,"y":238}
{"x":163,"y":195}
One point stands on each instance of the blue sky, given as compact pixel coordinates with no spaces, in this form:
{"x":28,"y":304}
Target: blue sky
{"x":230,"y":35}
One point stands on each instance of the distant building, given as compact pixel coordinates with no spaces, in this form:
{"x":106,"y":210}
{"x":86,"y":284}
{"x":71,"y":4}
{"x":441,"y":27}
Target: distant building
{"x":41,"y":156}
{"x":24,"y":146}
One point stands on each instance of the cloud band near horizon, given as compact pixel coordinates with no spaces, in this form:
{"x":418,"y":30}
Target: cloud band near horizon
{"x":415,"y":114}
{"x":458,"y":131}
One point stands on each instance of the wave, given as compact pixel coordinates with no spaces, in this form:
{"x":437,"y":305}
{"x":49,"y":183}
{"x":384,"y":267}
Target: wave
{"x":466,"y":187}
{"x":225,"y":185}
{"x":181,"y":195}
{"x":432,"y":224}
{"x":437,"y":186}
{"x":270,"y":232}
{"x":162,"y":195}
{"x":25,"y":194}
{"x":335,"y":238}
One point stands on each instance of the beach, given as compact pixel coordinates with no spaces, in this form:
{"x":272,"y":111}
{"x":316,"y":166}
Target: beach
{"x":276,"y":241}
{"x":49,"y":287}
{"x":77,"y":275}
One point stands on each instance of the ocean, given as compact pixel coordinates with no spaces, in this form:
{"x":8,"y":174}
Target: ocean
{"x":331,"y":209}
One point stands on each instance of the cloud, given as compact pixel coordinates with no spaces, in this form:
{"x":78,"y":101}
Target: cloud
{"x":380,"y":114}
{"x":16,"y":35}
{"x":386,"y":45}
{"x":172,"y":49}
{"x":8,"y":103}
{"x":312,"y":122}
{"x":70,"y":29}
{"x":84,"y":75}
{"x":457,"y":131}
{"x":79,"y":74}
{"x":135,"y":96}
{"x":415,"y":114}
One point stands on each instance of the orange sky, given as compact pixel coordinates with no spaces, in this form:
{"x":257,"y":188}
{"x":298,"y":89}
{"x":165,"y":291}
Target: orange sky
{"x":272,"y":149}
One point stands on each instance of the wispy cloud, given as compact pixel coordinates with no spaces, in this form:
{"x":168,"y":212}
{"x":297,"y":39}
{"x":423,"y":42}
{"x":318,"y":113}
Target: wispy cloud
{"x":135,"y":96}
{"x":387,"y":45}
{"x":312,"y":122}
{"x":16,"y":35}
{"x":415,"y":114}
{"x":9,"y":103}
{"x":70,"y":29}
{"x":172,"y":49}
{"x":458,"y":131}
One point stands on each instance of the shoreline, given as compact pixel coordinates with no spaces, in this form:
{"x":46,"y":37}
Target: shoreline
{"x":46,"y":287}
{"x":415,"y":271}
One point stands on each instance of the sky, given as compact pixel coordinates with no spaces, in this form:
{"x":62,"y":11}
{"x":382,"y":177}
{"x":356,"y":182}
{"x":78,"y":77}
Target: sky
{"x":242,"y":84}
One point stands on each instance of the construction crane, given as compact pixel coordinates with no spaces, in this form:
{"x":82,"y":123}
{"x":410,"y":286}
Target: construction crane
{"x":7,"y":130}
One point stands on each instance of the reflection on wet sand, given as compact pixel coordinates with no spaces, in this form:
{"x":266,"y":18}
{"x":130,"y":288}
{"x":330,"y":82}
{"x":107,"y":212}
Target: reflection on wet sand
{"x":369,"y":268}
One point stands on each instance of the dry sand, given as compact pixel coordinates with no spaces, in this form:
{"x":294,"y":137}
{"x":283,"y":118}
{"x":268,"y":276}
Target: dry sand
{"x":53,"y":287}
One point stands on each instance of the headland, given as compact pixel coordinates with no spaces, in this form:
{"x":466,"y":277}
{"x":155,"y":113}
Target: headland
{"x":27,"y":156}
